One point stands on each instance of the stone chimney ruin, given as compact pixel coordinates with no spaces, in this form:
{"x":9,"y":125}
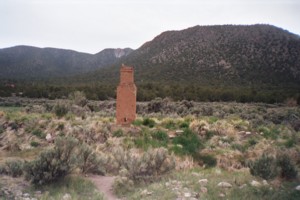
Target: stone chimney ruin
{"x":126,"y":97}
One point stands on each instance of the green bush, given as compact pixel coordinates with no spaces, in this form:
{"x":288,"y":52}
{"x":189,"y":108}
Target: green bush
{"x":14,"y":126}
{"x":153,"y":139}
{"x":287,"y":169}
{"x":34,"y":144}
{"x":269,"y":133}
{"x":207,"y":159}
{"x":14,"y":168}
{"x":184,"y":125}
{"x":38,"y":133}
{"x":252,"y":142}
{"x":54,"y":163}
{"x":264,"y":167}
{"x":149,"y":122}
{"x":189,"y":142}
{"x":160,"y":136}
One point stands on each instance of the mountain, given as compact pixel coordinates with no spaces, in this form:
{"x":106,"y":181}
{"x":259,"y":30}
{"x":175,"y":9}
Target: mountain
{"x":245,"y":63}
{"x":25,"y":62}
{"x":230,"y":55}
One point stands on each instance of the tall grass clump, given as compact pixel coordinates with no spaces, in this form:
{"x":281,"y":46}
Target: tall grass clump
{"x":188,"y":143}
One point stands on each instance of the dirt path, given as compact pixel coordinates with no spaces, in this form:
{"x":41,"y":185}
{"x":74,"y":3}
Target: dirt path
{"x":104,"y":184}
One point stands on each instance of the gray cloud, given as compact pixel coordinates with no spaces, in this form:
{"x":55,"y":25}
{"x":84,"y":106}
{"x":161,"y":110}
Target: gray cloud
{"x":92,"y":25}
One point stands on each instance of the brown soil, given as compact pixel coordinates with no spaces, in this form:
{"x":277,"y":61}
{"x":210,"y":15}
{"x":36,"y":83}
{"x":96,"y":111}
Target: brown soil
{"x":104,"y":184}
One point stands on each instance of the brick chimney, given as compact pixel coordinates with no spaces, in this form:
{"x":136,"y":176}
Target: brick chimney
{"x":126,"y":97}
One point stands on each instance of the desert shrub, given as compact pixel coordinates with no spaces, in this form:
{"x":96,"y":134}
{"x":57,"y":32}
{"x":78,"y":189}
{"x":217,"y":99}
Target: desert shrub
{"x":54,"y":163}
{"x":60,"y":127}
{"x":78,"y":98}
{"x":252,"y":142}
{"x":122,"y":185}
{"x":209,"y":134}
{"x":60,"y":109}
{"x":14,"y":126}
{"x":290,"y":143}
{"x":34,"y":144}
{"x":206,"y":159}
{"x":155,"y":105}
{"x":1,"y":129}
{"x":264,"y":167}
{"x":14,"y":168}
{"x":2,"y":169}
{"x":239,"y":147}
{"x":189,"y":143}
{"x":149,"y":122}
{"x":38,"y":133}
{"x":89,"y":161}
{"x":148,"y":166}
{"x":207,"y":111}
{"x":287,"y":168}
{"x":118,"y":133}
{"x":143,"y":141}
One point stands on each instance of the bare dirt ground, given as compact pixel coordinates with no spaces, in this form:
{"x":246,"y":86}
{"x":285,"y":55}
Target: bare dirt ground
{"x":104,"y":184}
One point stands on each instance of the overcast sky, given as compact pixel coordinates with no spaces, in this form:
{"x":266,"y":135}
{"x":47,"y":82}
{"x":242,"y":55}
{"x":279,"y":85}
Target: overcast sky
{"x":92,"y":25}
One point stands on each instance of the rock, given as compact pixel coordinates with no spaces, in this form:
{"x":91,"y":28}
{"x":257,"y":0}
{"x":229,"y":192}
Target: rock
{"x":221,"y":195}
{"x":203,"y":189}
{"x":146,"y":192}
{"x":67,"y":196}
{"x":49,"y":137}
{"x":18,"y":193}
{"x":255,"y":183}
{"x":218,"y":171}
{"x":224,"y":185}
{"x":265,"y":182}
{"x":195,"y":174}
{"x":248,"y":133}
{"x":187,"y":194}
{"x":242,"y":186}
{"x":178,"y":132}
{"x":34,"y":199}
{"x":203,"y":181}
{"x":26,"y":195}
{"x":26,"y":198}
{"x":298,"y":188}
{"x":167,"y":184}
